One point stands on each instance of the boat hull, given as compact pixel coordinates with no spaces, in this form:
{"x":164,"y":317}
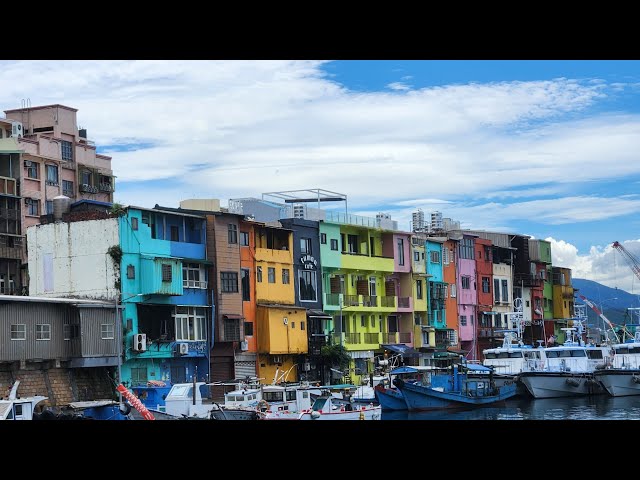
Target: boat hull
{"x":560,"y":384}
{"x":390,"y":399}
{"x":365,"y":413}
{"x":619,"y":382}
{"x":420,"y":398}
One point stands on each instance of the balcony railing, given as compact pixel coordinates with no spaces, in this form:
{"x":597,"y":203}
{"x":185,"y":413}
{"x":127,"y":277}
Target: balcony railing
{"x":388,"y":301}
{"x":372,"y":338}
{"x":105,"y":187}
{"x":351,"y":300}
{"x":527,"y":280}
{"x":337,"y":338}
{"x":8,"y":185}
{"x":352,"y":338}
{"x":369,"y":301}
{"x":194,"y":284}
{"x":390,"y":337}
{"x":88,"y":188}
{"x":404,"y":337}
{"x":333,"y":298}
{"x":404,"y":302}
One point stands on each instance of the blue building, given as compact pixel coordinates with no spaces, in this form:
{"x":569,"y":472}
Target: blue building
{"x":437,"y":287}
{"x":165,"y":309}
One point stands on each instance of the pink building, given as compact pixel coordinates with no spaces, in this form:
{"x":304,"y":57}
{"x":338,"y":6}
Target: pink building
{"x":467,"y":294}
{"x":42,"y":155}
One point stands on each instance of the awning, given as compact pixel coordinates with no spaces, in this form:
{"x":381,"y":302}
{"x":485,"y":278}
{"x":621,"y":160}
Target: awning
{"x":476,"y":367}
{"x":318,"y":314}
{"x":399,"y":370}
{"x":196,"y":260}
{"x":402,"y":349}
{"x":232,"y":316}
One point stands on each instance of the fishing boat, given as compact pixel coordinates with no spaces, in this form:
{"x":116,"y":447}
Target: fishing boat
{"x":388,"y":395}
{"x":15,"y":408}
{"x":621,"y":376}
{"x":329,"y":407}
{"x":568,"y":370}
{"x":440,"y":388}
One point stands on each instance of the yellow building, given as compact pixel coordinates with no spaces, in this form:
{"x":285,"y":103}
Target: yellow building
{"x":281,"y":328}
{"x":562,"y":300}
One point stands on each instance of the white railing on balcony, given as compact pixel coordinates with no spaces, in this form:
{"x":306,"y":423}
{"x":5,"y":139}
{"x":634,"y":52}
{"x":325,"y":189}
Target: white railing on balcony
{"x":350,"y":219}
{"x":194,"y":284}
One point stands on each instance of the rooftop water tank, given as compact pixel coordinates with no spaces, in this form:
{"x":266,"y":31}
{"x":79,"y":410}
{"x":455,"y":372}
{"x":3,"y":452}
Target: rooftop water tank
{"x":61,"y":205}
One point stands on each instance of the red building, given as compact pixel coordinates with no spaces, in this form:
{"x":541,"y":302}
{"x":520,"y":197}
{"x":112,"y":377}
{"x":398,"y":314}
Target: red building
{"x":484,"y":282}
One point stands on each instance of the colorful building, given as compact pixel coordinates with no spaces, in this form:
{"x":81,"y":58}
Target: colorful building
{"x":467,"y":295}
{"x":449,"y":276}
{"x":423,"y":332}
{"x":437,"y":290}
{"x":562,"y":301}
{"x":484,"y":283}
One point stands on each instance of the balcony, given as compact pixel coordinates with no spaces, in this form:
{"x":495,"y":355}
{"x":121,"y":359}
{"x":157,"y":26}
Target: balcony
{"x":369,"y":301}
{"x":337,"y":338}
{"x":527,"y":280}
{"x":372,"y":338}
{"x":202,"y":284}
{"x":88,"y":188}
{"x":388,"y":301}
{"x":389,"y":337}
{"x":404,"y":337}
{"x":404,"y":302}
{"x":332,"y":299}
{"x":105,"y":187}
{"x":272,"y":255}
{"x":352,"y":338}
{"x":351,"y":301}
{"x":8,"y":186}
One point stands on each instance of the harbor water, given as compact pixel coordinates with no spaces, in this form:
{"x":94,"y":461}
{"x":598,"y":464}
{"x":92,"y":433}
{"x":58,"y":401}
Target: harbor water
{"x":596,"y":407}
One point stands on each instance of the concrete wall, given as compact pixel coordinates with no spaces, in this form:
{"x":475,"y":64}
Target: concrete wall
{"x":71,"y":259}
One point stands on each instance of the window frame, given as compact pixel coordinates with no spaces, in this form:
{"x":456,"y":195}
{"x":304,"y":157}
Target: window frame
{"x":229,"y":282}
{"x":15,"y":331}
{"x":43,"y":334}
{"x":232,"y":233}
{"x":110,"y":331}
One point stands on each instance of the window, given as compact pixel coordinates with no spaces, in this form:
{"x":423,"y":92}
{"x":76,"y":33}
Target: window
{"x":259,"y":274}
{"x":32,"y":169}
{"x":293,"y":325}
{"x":49,"y":207}
{"x":191,"y":323}
{"x":248,"y":329}
{"x":71,"y":332}
{"x":445,"y":256}
{"x":463,"y":320}
{"x":246,"y":292}
{"x":496,"y":290}
{"x":52,"y":175}
{"x":231,"y":330}
{"x":372,"y":287}
{"x":435,"y":256}
{"x":193,"y":276}
{"x":308,"y":286}
{"x":363,"y":320}
{"x":285,"y":276}
{"x":66,"y":150}
{"x":134,"y":223}
{"x":542,"y":274}
{"x":505,"y":291}
{"x":32,"y":206}
{"x":323,"y":238}
{"x":465,"y":282}
{"x":131,"y":271}
{"x":486,"y":287}
{"x":352,"y":241}
{"x":175,"y":233}
{"x":372,"y":246}
{"x":43,"y":331}
{"x":139,"y":376}
{"x":334,"y":244}
{"x":454,"y":290}
{"x":244,"y":239}
{"x":305,"y":246}
{"x":452,"y":337}
{"x":400,"y":251}
{"x":166,"y":272}
{"x":232,"y":233}
{"x":466,"y":248}
{"x":271,"y":274}
{"x":18,"y":331}
{"x":86,"y":177}
{"x":302,"y":326}
{"x":106,"y":331}
{"x":417,"y":319}
{"x":419,"y":289}
{"x":229,"y":282}
{"x":416,"y":256}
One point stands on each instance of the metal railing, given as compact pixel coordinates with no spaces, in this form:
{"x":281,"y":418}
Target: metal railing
{"x":372,"y":338}
{"x":369,"y":301}
{"x":351,"y":300}
{"x":404,"y":302}
{"x":352,"y":338}
{"x":389,"y":337}
{"x":388,"y":301}
{"x":404,"y":337}
{"x":194,"y":284}
{"x":332,"y":298}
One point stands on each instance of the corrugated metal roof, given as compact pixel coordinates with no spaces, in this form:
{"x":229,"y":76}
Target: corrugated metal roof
{"x":19,"y":298}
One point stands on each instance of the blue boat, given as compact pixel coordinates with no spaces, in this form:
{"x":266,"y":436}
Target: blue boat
{"x":440,"y":388}
{"x":388,"y":395}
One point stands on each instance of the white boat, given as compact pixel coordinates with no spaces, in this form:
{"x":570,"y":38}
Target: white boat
{"x":14,"y":408}
{"x":568,"y":369}
{"x":328,"y":407}
{"x":286,"y":402}
{"x":622,"y":376}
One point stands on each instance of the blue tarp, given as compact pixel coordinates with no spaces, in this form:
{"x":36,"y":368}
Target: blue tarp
{"x":477,"y":368}
{"x":398,"y":370}
{"x":402,"y":349}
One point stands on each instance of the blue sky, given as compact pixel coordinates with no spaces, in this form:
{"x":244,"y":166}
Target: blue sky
{"x":543,"y":148}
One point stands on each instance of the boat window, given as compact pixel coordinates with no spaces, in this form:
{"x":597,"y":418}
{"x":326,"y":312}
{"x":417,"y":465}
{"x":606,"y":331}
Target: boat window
{"x":10,"y":415}
{"x":515,"y":354}
{"x":594,"y":354}
{"x":319,"y":404}
{"x":490,"y":355}
{"x":204,"y":391}
{"x":634,"y":350}
{"x":552,"y":354}
{"x":621,"y":350}
{"x":291,"y":394}
{"x":252,"y":397}
{"x":564,"y":353}
{"x":305,"y":394}
{"x":531,"y":355}
{"x":272,"y":396}
{"x":503,"y":355}
{"x":179,"y":390}
{"x":581,"y":353}
{"x":18,"y":409}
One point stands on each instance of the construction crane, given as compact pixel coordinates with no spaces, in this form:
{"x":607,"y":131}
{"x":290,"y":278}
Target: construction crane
{"x":633,"y":262}
{"x":600,"y":314}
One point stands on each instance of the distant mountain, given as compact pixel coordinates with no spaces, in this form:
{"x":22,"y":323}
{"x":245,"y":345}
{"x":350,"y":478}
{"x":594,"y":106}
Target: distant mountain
{"x":603,"y":297}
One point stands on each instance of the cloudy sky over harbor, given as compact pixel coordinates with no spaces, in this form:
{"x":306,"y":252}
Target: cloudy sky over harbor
{"x":543,"y":148}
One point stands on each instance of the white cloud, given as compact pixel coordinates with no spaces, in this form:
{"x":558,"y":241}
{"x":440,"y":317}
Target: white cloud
{"x":602,"y":264}
{"x":399,"y":86}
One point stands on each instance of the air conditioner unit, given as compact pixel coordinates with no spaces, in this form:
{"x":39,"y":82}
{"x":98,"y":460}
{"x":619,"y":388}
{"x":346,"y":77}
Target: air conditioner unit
{"x":276,"y":358}
{"x":16,"y":130}
{"x":140,"y":342}
{"x":244,"y":345}
{"x":28,"y":163}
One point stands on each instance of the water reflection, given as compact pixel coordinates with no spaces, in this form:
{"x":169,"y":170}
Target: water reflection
{"x":597,"y":407}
